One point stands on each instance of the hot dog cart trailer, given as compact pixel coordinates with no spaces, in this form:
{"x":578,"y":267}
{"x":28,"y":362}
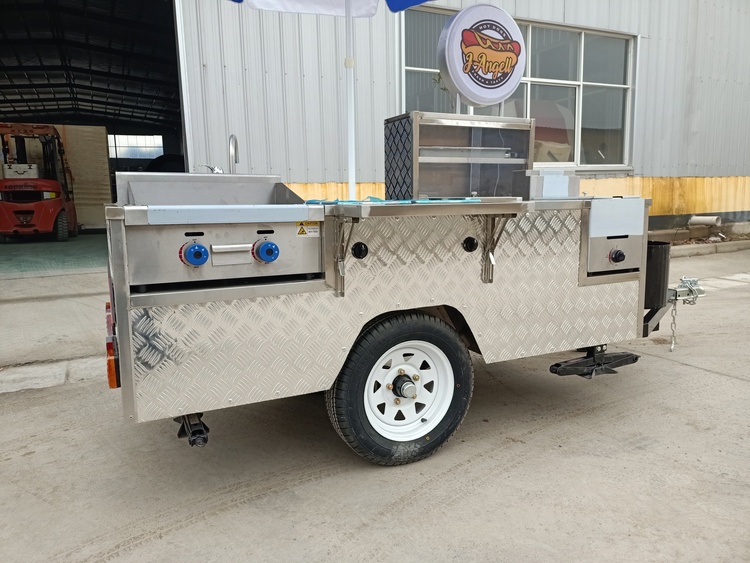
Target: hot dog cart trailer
{"x":228,"y":289}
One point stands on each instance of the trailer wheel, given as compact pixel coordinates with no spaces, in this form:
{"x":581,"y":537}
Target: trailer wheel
{"x":61,"y":227}
{"x":403,"y":391}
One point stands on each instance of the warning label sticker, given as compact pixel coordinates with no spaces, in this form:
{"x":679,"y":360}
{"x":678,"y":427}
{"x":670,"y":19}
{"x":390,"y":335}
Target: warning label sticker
{"x":308,"y":229}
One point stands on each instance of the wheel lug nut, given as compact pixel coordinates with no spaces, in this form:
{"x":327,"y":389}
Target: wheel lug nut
{"x":416,"y":377}
{"x":401,"y":372}
{"x":397,"y":401}
{"x":389,"y":386}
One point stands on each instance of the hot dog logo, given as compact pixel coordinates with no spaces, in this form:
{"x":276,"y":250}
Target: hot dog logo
{"x":490,"y":54}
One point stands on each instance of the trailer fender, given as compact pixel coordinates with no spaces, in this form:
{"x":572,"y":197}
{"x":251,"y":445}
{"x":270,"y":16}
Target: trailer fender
{"x":446,"y":313}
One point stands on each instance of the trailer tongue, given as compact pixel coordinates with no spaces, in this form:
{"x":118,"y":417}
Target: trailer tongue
{"x":230,"y":290}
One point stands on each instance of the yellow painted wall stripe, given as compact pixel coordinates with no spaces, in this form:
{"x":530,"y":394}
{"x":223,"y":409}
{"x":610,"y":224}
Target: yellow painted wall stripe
{"x":679,"y":196}
{"x":336,"y":190}
{"x":671,"y":196}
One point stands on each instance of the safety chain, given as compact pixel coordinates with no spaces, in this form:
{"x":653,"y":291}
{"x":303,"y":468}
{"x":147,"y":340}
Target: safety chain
{"x":691,"y":284}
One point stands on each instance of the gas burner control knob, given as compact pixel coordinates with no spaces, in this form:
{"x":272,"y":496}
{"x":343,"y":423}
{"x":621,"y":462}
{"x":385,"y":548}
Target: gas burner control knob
{"x":265,"y":251}
{"x":616,"y":256}
{"x":193,"y":254}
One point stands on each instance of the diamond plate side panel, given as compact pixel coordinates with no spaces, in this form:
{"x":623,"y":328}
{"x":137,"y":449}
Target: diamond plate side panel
{"x":195,"y":358}
{"x":399,"y":165}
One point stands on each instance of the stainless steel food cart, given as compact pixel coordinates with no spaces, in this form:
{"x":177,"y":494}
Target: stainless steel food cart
{"x":229,"y":290}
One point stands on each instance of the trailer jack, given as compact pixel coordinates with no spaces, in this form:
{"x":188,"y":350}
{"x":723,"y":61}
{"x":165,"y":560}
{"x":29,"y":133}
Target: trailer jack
{"x":595,"y":362}
{"x":193,"y":428}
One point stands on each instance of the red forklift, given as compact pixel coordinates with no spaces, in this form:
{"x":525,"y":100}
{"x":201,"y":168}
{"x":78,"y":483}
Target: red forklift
{"x":36,"y":184}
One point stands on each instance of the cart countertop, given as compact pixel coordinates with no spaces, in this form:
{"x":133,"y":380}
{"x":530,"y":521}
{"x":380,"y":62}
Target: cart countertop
{"x":469,"y":206}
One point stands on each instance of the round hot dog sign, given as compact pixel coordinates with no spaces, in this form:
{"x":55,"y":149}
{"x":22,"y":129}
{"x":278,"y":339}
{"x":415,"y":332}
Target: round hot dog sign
{"x":481,"y":55}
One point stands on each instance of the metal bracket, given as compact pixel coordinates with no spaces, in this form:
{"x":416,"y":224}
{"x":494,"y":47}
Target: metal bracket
{"x":494,"y":228}
{"x":342,"y":244}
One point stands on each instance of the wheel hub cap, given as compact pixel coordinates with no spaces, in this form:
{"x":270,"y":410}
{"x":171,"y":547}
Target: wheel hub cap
{"x":403,"y":386}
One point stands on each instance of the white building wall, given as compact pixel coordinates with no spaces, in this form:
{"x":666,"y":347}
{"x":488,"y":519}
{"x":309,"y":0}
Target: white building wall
{"x":277,"y":82}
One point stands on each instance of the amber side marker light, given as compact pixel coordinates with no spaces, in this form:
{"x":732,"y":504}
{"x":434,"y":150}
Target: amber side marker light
{"x":113,"y":371}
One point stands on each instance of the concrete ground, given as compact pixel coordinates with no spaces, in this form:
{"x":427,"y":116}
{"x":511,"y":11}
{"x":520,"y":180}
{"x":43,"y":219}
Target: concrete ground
{"x":52,"y":298}
{"x":651,"y":464}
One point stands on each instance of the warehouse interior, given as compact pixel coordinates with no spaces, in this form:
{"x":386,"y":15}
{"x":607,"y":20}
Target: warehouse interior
{"x":104,"y":72}
{"x":90,"y":62}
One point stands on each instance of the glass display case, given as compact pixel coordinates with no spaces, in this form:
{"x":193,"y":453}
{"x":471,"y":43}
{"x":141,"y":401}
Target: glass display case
{"x":439,"y":155}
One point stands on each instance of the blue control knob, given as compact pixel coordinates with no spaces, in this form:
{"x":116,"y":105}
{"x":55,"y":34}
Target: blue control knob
{"x":265,"y":251}
{"x":194,"y":254}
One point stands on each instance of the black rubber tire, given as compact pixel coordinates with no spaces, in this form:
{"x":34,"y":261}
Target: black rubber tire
{"x":60,"y":230}
{"x":346,"y":399}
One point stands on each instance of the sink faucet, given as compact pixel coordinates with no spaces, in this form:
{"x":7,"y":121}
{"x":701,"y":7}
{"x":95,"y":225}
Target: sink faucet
{"x":234,"y":157}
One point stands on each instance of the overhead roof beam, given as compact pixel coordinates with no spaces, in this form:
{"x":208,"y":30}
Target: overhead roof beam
{"x":86,"y":87}
{"x":88,"y":47}
{"x":90,"y":102}
{"x":24,"y":69}
{"x":92,"y":15}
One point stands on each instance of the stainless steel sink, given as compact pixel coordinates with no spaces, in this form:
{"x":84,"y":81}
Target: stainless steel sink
{"x":148,"y":188}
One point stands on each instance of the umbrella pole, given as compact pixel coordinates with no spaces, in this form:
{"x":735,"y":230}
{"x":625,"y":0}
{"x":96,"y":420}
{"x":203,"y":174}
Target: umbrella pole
{"x":349,"y":64}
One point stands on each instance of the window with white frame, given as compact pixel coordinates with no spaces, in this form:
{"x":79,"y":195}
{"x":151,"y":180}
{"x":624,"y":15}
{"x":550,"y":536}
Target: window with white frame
{"x":576,"y":85}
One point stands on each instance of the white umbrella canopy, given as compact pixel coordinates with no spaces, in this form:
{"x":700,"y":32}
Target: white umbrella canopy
{"x":349,"y":9}
{"x":359,"y":8}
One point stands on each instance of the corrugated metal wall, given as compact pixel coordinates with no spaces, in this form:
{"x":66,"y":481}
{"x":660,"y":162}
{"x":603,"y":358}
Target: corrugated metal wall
{"x":276,"y":81}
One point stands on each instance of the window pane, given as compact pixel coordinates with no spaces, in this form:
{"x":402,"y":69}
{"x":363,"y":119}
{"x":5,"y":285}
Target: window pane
{"x":603,"y":125}
{"x":515,"y":105}
{"x":554,"y":53}
{"x":424,"y":92}
{"x":605,"y":59}
{"x":422,"y":31}
{"x":553,"y":108}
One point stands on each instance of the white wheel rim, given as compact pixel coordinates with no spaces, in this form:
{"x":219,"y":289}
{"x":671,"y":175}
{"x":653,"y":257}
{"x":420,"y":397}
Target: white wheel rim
{"x":402,"y":419}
